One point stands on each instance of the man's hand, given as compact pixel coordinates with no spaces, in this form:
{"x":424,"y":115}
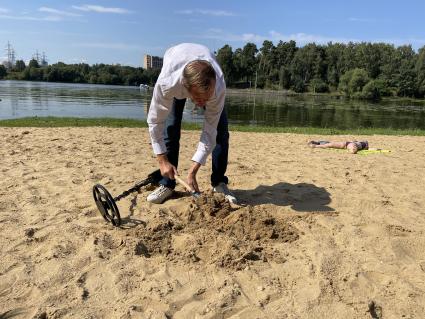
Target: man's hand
{"x":167,"y":169}
{"x":191,"y":177}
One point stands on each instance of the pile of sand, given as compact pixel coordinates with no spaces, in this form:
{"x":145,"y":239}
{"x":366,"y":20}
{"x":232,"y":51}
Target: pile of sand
{"x":208,"y":231}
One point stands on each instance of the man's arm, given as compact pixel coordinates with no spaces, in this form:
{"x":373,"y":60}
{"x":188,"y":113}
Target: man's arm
{"x":209,"y":131}
{"x":159,"y":109}
{"x":207,"y":142}
{"x":191,"y":176}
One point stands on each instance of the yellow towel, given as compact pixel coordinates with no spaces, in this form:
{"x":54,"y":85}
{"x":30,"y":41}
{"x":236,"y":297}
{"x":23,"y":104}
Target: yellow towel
{"x":361,"y":152}
{"x":367,"y":152}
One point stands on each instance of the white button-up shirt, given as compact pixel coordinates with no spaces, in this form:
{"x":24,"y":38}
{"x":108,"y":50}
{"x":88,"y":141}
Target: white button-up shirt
{"x":170,"y":85}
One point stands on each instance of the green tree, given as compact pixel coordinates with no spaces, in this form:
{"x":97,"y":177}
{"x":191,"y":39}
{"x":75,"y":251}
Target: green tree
{"x":20,"y":65}
{"x":52,"y":74}
{"x":318,"y":86}
{"x":3,"y":71}
{"x":284,"y":77}
{"x":33,"y":64}
{"x":420,"y":73}
{"x":344,"y":82}
{"x":405,"y":79}
{"x":371,"y":91}
{"x":368,"y":57}
{"x":34,"y":74}
{"x":320,"y":68}
{"x":249,"y":61}
{"x":406,"y":82}
{"x":334,"y":54}
{"x":308,"y":63}
{"x":353,"y":81}
{"x":348,"y":59}
{"x":358,"y":79}
{"x":299,"y":85}
{"x":284,"y":54}
{"x":225,"y":59}
{"x":237,"y":64}
{"x":391,"y":61}
{"x":265,"y":70}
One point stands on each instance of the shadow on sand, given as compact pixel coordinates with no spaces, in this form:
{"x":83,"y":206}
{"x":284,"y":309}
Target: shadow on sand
{"x":301,"y":197}
{"x":128,"y":221}
{"x":12,"y":313}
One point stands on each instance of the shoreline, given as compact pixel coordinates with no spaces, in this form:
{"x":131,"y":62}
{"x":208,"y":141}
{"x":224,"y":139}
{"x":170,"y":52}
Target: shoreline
{"x":131,"y":123}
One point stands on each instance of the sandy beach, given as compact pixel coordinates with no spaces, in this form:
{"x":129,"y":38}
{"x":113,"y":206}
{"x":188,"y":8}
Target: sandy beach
{"x":319,"y":234}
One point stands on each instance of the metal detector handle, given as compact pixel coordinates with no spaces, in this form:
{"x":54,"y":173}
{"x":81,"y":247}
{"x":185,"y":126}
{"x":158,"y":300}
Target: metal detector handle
{"x":182,"y":182}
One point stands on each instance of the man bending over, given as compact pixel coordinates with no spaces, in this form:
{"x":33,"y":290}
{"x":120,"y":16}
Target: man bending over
{"x":189,"y":71}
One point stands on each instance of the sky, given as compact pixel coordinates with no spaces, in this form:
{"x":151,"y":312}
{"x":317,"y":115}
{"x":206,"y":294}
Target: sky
{"x":123,"y":31}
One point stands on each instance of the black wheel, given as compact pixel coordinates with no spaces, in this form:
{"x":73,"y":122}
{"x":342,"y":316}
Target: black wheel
{"x":106,"y":205}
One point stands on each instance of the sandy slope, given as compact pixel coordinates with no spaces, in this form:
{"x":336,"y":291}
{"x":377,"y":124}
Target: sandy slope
{"x":323,"y":234}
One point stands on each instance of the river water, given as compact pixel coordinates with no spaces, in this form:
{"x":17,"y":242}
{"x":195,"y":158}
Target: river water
{"x":26,"y":99}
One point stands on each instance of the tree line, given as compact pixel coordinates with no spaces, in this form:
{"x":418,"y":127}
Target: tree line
{"x":80,"y":73}
{"x":359,"y":70}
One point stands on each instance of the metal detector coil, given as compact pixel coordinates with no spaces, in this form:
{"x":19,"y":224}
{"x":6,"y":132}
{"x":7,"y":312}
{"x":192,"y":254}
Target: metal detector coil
{"x":107,"y":204}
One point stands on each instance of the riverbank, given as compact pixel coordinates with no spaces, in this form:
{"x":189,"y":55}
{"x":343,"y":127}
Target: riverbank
{"x":322,"y":233}
{"x":334,"y":95}
{"x":111,"y":122}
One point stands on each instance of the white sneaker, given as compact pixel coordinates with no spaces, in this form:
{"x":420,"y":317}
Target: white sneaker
{"x":223,"y":189}
{"x":160,"y":195}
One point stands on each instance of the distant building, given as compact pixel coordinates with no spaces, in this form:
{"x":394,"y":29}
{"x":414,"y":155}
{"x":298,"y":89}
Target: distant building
{"x":152,"y":62}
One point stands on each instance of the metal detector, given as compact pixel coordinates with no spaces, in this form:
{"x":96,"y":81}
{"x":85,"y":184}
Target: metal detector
{"x":107,"y":204}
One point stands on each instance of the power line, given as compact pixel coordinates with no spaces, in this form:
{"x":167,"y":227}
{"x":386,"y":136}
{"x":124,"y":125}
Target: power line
{"x":43,"y":60}
{"x":11,"y":54}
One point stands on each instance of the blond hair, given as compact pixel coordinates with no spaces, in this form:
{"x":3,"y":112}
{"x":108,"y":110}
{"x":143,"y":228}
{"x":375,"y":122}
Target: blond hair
{"x":199,"y":74}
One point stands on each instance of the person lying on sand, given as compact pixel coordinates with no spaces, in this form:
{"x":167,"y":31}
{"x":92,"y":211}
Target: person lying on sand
{"x":352,"y":146}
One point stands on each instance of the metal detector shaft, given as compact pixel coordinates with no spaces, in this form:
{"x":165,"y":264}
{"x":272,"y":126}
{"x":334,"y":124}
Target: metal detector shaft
{"x":135,"y":188}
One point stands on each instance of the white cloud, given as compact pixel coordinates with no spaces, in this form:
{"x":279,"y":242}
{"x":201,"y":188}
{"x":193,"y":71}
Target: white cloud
{"x":58,"y":12}
{"x":304,"y":38}
{"x":29,"y":18}
{"x":300,"y":38}
{"x":415,"y":42}
{"x":216,"y":13}
{"x":3,"y":10}
{"x":131,"y":22}
{"x":100,"y":9}
{"x":75,"y":60}
{"x":110,"y":46}
{"x":361,"y":20}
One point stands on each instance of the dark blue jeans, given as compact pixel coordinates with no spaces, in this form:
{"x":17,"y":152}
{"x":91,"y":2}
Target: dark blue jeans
{"x":172,"y":142}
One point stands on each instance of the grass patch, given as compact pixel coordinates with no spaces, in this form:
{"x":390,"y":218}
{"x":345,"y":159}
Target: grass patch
{"x":110,"y":122}
{"x":71,"y":122}
{"x":327,"y":131}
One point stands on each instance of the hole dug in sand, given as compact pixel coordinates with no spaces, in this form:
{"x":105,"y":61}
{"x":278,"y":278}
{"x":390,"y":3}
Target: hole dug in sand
{"x":210,"y":231}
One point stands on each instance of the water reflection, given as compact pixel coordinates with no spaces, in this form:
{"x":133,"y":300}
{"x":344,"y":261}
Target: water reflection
{"x":324,"y":112}
{"x":22,"y":99}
